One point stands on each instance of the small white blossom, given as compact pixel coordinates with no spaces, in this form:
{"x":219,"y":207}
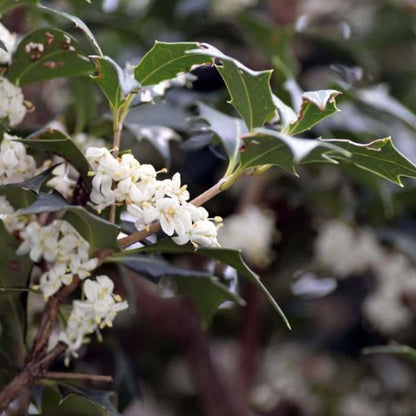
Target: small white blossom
{"x":12,"y":105}
{"x":9,"y":39}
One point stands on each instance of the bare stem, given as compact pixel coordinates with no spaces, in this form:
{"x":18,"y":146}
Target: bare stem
{"x":54,"y":375}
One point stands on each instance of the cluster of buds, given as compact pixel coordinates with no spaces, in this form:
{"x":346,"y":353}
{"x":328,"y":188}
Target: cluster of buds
{"x":12,"y":105}
{"x":124,"y":180}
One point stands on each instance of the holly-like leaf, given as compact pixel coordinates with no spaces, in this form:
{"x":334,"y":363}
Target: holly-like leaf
{"x":228,"y":129}
{"x":78,"y":24}
{"x":115,"y":82}
{"x":97,"y":231}
{"x":316,"y":106}
{"x":166,"y":60}
{"x":56,"y":142}
{"x":269,"y":147}
{"x":231,"y":257}
{"x":7,"y":5}
{"x":404,"y":350}
{"x":380,"y":157}
{"x":45,"y":54}
{"x":249,"y":90}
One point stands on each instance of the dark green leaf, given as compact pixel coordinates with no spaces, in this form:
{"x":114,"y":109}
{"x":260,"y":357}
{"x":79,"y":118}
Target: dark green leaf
{"x":6,"y":5}
{"x":115,"y":82}
{"x":227,"y":256}
{"x":78,"y":24}
{"x":83,"y":101}
{"x":97,"y":231}
{"x":316,"y":105}
{"x":228,"y":129}
{"x":392,"y":349}
{"x":379,"y":157}
{"x":165,"y":60}
{"x":250,"y":90}
{"x":56,"y":142}
{"x":45,"y":54}
{"x":207,"y":294}
{"x":17,"y":196}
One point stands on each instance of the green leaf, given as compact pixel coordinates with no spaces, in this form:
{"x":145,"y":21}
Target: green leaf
{"x":249,"y":90}
{"x":227,"y":256}
{"x":83,"y":102}
{"x":115,"y":82}
{"x":392,"y":349}
{"x":18,"y":196}
{"x":45,"y":54}
{"x":380,"y":157}
{"x":14,"y":273}
{"x":269,"y":147}
{"x":97,"y":231}
{"x":78,"y":24}
{"x":316,"y":105}
{"x":6,"y":5}
{"x":56,"y":142}
{"x":166,"y":60}
{"x":228,"y":129}
{"x":206,"y":293}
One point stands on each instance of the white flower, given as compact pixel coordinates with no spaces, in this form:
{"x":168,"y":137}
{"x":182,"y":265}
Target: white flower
{"x":202,"y":233}
{"x":11,"y":102}
{"x":251,"y":231}
{"x":9,"y":39}
{"x":62,"y":180}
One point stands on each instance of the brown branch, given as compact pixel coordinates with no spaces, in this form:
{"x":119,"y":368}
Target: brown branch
{"x":33,"y":370}
{"x":54,"y":375}
{"x":155,"y":227}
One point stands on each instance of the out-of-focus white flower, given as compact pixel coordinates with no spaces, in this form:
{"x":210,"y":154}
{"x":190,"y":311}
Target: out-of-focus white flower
{"x":360,"y":405}
{"x":251,"y":231}
{"x":15,"y":164}
{"x":9,"y":40}
{"x":346,"y":251}
{"x":12,"y":105}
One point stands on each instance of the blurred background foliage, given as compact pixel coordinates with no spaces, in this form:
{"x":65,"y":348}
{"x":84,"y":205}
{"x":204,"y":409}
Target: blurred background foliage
{"x":342,"y":252}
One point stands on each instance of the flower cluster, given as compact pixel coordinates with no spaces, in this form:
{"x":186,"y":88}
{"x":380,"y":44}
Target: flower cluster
{"x":97,"y":311}
{"x":394,"y":274}
{"x":256,"y":246}
{"x":15,"y":164}
{"x":63,"y":248}
{"x":10,"y":42}
{"x":12,"y":106}
{"x":125,"y":181}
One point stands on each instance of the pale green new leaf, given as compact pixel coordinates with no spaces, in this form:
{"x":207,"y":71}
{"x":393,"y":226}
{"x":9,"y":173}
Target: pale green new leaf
{"x":392,"y":349}
{"x":45,"y":54}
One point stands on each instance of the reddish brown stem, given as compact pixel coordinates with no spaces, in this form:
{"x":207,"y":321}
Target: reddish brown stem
{"x":54,"y":375}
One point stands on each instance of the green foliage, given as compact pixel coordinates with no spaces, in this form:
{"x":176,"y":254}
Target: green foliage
{"x":58,"y":143}
{"x":227,"y":256}
{"x":166,"y":60}
{"x":7,"y":5}
{"x":404,"y":350}
{"x":45,"y":54}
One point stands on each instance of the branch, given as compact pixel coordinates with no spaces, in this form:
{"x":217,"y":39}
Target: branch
{"x":155,"y":227}
{"x":54,"y":375}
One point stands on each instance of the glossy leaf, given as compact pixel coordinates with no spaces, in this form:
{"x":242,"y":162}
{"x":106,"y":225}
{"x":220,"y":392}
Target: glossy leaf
{"x":249,"y":90}
{"x":97,"y":231}
{"x":78,"y":24}
{"x":6,"y":5}
{"x":166,"y":60}
{"x":228,"y":129}
{"x":227,"y":256}
{"x":56,"y":142}
{"x":316,"y":106}
{"x":115,"y":82}
{"x":45,"y":54}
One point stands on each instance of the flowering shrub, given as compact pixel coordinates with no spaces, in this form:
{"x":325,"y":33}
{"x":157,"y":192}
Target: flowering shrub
{"x":64,"y":194}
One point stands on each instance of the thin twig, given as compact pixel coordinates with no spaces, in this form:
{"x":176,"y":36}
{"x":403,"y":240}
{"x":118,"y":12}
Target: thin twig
{"x":78,"y":376}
